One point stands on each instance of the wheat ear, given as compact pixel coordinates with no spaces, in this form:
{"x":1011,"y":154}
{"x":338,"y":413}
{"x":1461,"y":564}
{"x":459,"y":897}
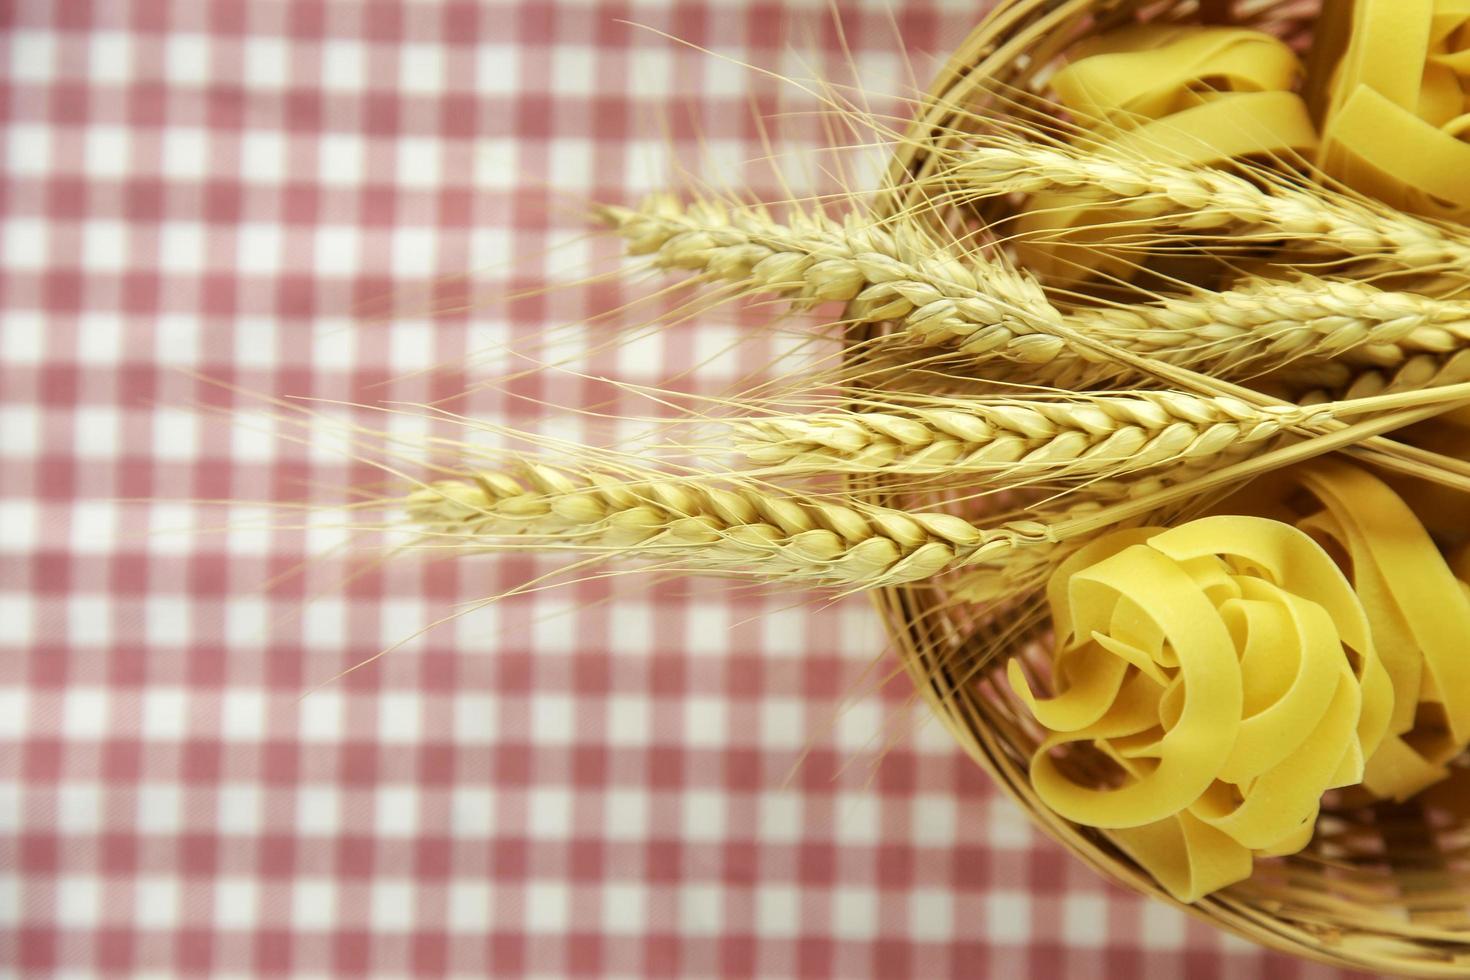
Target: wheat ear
{"x":1237,"y":332}
{"x":1418,"y":372}
{"x":1205,"y":199}
{"x":981,"y":308}
{"x":883,"y":271}
{"x":698,"y":525}
{"x":1265,"y":320}
{"x":1083,"y":437}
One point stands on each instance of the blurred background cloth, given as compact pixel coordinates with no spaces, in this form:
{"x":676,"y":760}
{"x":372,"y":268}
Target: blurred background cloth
{"x":610,"y":779}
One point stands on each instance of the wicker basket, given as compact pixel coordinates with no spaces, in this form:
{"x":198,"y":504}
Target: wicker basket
{"x":1383,"y":887}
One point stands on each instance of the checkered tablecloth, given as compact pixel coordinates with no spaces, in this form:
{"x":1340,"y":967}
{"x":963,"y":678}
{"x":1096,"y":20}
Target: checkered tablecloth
{"x":207,"y":204}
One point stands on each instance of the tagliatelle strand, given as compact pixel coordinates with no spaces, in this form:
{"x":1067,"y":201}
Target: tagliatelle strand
{"x":1196,"y":747}
{"x":1247,"y":686}
{"x":1419,"y":610}
{"x":1147,"y":70}
{"x":1186,"y":855}
{"x":1137,"y":88}
{"x":1275,"y":804}
{"x":1272,"y":733}
{"x":1328,"y":670}
{"x":1398,"y":104}
{"x":1308,"y":572}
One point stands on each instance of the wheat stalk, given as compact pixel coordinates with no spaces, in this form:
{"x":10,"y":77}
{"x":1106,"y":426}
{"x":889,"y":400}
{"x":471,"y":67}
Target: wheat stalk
{"x":1205,"y":199}
{"x":1417,"y":372}
{"x":699,"y":525}
{"x":882,"y":271}
{"x":1100,"y":434}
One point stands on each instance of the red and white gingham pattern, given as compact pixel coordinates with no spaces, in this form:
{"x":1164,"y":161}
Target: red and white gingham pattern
{"x":557,"y":785}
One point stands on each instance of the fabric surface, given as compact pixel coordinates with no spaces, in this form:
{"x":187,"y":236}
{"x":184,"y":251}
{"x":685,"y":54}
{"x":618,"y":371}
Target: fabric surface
{"x":210,"y":203}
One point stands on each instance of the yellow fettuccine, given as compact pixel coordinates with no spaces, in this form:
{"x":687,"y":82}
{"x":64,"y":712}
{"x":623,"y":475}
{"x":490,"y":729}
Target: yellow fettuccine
{"x":1234,"y":672}
{"x":1419,"y":609}
{"x":1188,"y":94}
{"x":1397,"y":105}
{"x":1184,"y":94}
{"x":1243,"y":684}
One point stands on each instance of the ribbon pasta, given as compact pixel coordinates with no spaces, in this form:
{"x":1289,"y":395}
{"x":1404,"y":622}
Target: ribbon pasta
{"x":1419,"y":610}
{"x":1233,"y":673}
{"x":1187,"y":94}
{"x":1396,"y":108}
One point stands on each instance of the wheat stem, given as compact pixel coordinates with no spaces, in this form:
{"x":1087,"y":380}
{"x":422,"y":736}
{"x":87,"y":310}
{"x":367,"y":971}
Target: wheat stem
{"x":701,"y":525}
